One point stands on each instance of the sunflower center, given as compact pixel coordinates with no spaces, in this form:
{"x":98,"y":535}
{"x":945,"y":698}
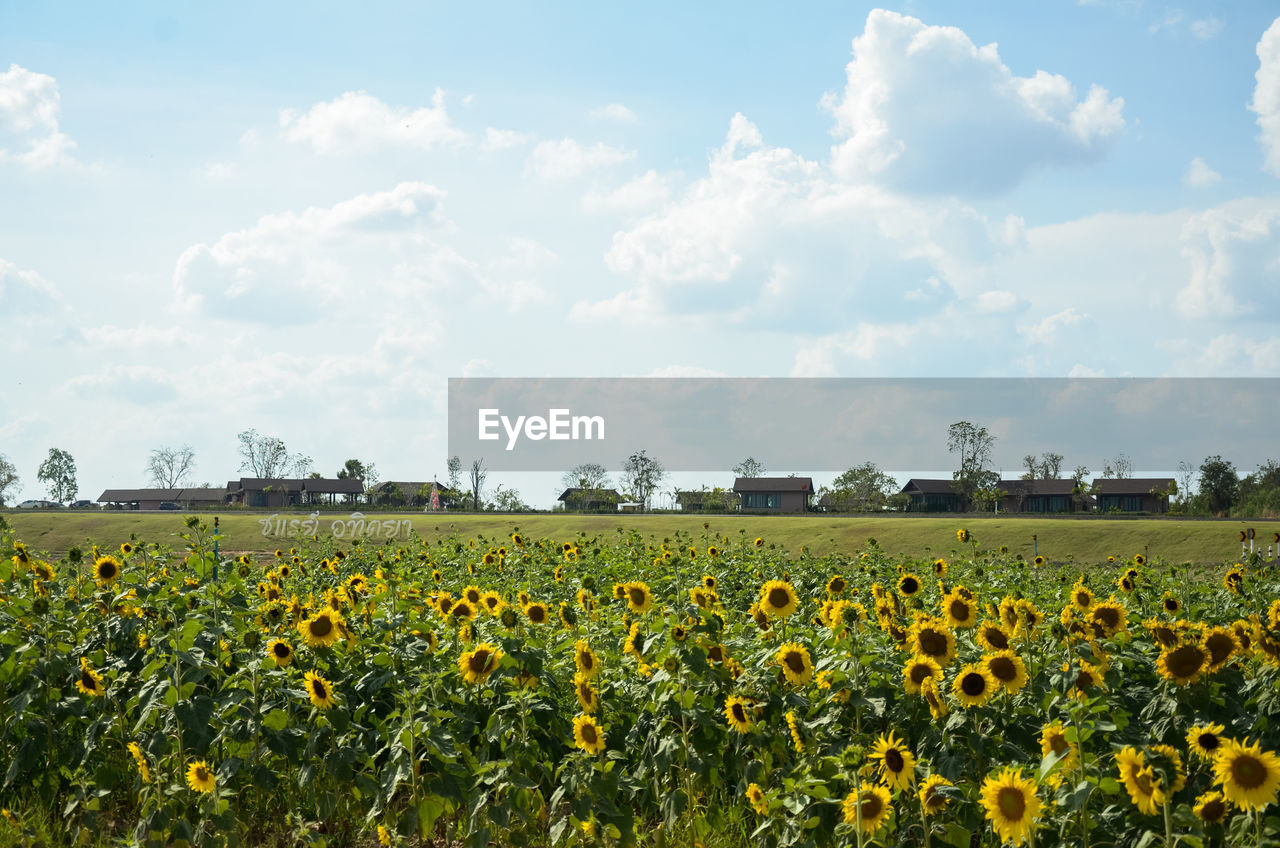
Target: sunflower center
{"x":202,"y":774}
{"x":778,"y":597}
{"x":1012,"y":803}
{"x":321,"y":626}
{"x":318,"y":687}
{"x":1082,"y":599}
{"x":1084,"y":678}
{"x":716,"y":654}
{"x":281,"y":651}
{"x":87,"y":680}
{"x":1209,"y":741}
{"x":479,"y":661}
{"x":1003,"y":669}
{"x":586,"y":662}
{"x":995,"y":637}
{"x":959,"y":610}
{"x":1220,"y":647}
{"x":909,"y":586}
{"x":1170,"y":605}
{"x":1213,"y":810}
{"x":837,"y":586}
{"x":932,"y":643}
{"x":893,"y":760}
{"x":973,"y":684}
{"x":920,"y":672}
{"x":1058,"y":743}
{"x":794,"y":661}
{"x":1107,"y":616}
{"x":1186,"y":661}
{"x":1248,"y":771}
{"x":588,"y":734}
{"x":871,"y":806}
{"x":739,"y":714}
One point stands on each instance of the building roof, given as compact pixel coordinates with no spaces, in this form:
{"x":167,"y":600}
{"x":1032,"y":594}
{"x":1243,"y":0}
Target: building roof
{"x":198,"y":493}
{"x":1131,"y":485}
{"x":773,"y":484}
{"x":600,"y":494}
{"x":928,"y":486}
{"x":1038,"y":487}
{"x":321,"y":485}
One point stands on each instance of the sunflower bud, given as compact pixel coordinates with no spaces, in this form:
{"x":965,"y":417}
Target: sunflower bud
{"x":251,"y":638}
{"x":40,"y":605}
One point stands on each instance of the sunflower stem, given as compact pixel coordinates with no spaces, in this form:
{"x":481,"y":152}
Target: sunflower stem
{"x":1168,"y":826}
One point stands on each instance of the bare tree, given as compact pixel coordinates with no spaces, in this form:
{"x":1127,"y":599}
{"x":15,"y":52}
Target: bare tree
{"x":749,"y":467}
{"x":641,"y":475}
{"x":1050,"y":465}
{"x":1120,"y":468}
{"x":478,"y":473}
{"x":1032,"y":465}
{"x":170,"y":466}
{"x":267,"y":457}
{"x":588,"y":475}
{"x":1186,"y":479}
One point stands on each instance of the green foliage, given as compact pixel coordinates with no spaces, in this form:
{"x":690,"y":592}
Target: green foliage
{"x":58,"y":472}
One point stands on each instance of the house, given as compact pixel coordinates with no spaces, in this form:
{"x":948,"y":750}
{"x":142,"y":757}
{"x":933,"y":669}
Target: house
{"x":590,"y":500}
{"x":194,"y":498}
{"x":708,"y":500}
{"x":1133,"y":494}
{"x":1043,"y":496}
{"x":261,"y":492}
{"x":774,"y":494}
{"x":929,"y":495}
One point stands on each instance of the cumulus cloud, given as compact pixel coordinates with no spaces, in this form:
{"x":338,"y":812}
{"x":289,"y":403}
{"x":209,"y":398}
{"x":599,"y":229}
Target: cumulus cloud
{"x":1234,"y":256}
{"x":25,"y":293}
{"x":1050,"y":329}
{"x":139,"y":384}
{"x":1266,"y":96}
{"x":642,"y":194}
{"x":925,"y":110}
{"x":30,"y":106}
{"x":615,"y":112}
{"x":1200,"y":175}
{"x":495,"y":139}
{"x":566,"y":159}
{"x":357,"y":122}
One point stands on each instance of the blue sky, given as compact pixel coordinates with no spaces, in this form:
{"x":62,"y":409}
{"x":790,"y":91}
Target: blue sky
{"x":304,"y":218}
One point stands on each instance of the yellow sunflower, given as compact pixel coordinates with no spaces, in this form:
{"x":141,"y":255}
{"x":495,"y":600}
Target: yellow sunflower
{"x":932,"y":799}
{"x":476,"y":665}
{"x":933,"y":697}
{"x":1007,"y":668}
{"x":1220,"y":645}
{"x":961,"y":611}
{"x":106,"y":569}
{"x":89,"y":682}
{"x":491,"y":602}
{"x":585,"y":659}
{"x":1182,"y":664}
{"x":940,"y":567}
{"x":931,"y":637}
{"x":974,"y":686}
{"x":140,"y":759}
{"x":1211,"y":808}
{"x":1204,"y":740}
{"x":1140,"y":781}
{"x":755,"y":795}
{"x":738,"y":713}
{"x":870,"y":806}
{"x":280,"y":651}
{"x":909,"y":585}
{"x":917,"y":670}
{"x":320,"y":691}
{"x":200,"y":777}
{"x":321,"y":629}
{"x":587,"y":735}
{"x":1250,"y":776}
{"x":897,"y":762}
{"x":1053,"y":740}
{"x":778,"y":599}
{"x":639,"y":597}
{"x":588,"y":695}
{"x":1108,"y":618}
{"x":1011,"y":804}
{"x":795,"y":662}
{"x":1081,"y":596}
{"x":537,"y":612}
{"x":1089,"y":677}
{"x":1273,"y":614}
{"x":992,"y":636}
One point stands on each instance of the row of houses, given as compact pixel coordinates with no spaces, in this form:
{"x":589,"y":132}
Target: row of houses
{"x":284,"y":492}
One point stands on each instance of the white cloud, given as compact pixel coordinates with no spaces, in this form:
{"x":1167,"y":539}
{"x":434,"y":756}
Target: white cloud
{"x":996,"y":301}
{"x":553,"y":161}
{"x":25,"y":293}
{"x":1200,"y":175}
{"x":1049,"y":330}
{"x":1266,"y":96}
{"x":495,"y":139}
{"x":30,"y":106}
{"x":140,"y":384}
{"x":357,"y":122}
{"x":1207,"y":28}
{"x":112,"y":338}
{"x":615,"y":112}
{"x":1234,"y":254}
{"x":925,"y":110}
{"x":642,"y":194}
{"x":1173,"y":18}
{"x":219,"y":172}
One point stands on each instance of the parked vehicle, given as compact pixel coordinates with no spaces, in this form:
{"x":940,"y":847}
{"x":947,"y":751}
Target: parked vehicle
{"x":37,"y":504}
{"x":84,"y":505}
{"x":168,"y":505}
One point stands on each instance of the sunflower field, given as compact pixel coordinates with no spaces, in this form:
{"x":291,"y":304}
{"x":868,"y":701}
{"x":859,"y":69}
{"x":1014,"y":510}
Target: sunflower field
{"x":695,"y":691}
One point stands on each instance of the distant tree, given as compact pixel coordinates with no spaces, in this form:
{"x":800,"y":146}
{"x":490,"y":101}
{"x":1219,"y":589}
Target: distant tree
{"x":641,"y":475}
{"x":862,"y":487}
{"x":365,"y":472}
{"x":507,"y":500}
{"x":1186,"y":477}
{"x":1079,"y":490}
{"x":267,"y":457}
{"x":590,"y":478}
{"x":749,"y":467}
{"x":1259,"y":492}
{"x":973,"y":446}
{"x":478,"y":475}
{"x":1050,"y":465}
{"x":391,"y":495}
{"x":1218,"y":484}
{"x":454,"y":469}
{"x":8,"y":478}
{"x":1120,"y":468}
{"x":58,"y":472}
{"x":169,"y":467}
{"x":1032,"y":466}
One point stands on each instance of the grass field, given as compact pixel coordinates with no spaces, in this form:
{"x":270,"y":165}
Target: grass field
{"x":1060,"y":539}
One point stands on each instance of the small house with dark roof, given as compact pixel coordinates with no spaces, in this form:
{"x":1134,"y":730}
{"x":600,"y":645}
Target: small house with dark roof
{"x":284,"y":492}
{"x":931,"y":495}
{"x":1133,"y":494}
{"x":1043,"y":496}
{"x":774,"y":494}
{"x":193,"y":498}
{"x":590,"y":500}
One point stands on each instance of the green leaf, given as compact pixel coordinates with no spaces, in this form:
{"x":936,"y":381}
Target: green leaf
{"x":954,"y":834}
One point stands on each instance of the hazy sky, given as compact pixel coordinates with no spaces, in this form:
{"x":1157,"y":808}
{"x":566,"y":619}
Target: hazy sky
{"x":304,"y":218}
